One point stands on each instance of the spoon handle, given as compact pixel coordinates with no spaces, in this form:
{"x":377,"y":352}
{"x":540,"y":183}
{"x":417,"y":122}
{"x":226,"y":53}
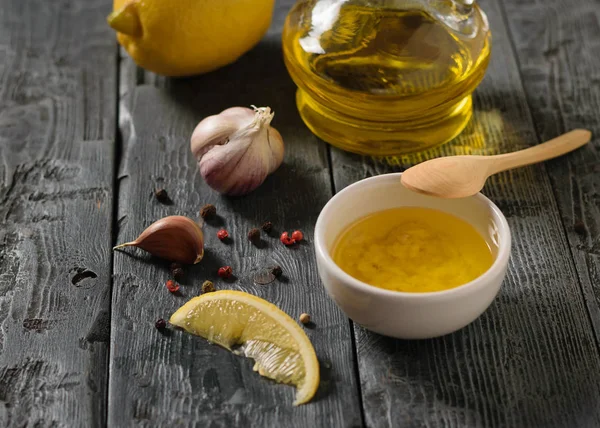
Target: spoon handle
{"x":555,"y":147}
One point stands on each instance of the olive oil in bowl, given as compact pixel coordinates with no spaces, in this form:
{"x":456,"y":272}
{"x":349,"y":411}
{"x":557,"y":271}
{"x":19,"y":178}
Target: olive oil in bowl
{"x":412,"y":249}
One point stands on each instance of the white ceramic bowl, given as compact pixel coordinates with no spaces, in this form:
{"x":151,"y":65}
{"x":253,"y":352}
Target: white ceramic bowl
{"x":399,"y":314}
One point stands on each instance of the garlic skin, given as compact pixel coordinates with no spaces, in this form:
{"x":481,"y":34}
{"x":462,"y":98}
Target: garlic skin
{"x":175,"y":238}
{"x":237,"y":149}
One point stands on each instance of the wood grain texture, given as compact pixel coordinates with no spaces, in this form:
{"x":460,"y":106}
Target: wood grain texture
{"x":176,"y":379}
{"x":57,"y":102}
{"x":531,"y":359}
{"x":558,"y":50}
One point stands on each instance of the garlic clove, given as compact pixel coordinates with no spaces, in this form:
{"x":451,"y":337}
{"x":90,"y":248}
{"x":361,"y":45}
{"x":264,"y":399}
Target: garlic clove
{"x":276,"y":146}
{"x":216,"y":129}
{"x":238,"y":162}
{"x":174,"y":238}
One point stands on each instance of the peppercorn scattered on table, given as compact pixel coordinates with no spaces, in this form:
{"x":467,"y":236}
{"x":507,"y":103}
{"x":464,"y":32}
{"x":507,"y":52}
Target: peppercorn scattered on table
{"x":93,"y":151}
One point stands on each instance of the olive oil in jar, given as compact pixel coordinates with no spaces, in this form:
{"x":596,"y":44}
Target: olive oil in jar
{"x":384,"y":81}
{"x":412,"y":249}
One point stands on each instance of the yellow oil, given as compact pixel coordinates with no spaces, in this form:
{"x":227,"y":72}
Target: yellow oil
{"x":383,"y":81}
{"x":413,"y":250}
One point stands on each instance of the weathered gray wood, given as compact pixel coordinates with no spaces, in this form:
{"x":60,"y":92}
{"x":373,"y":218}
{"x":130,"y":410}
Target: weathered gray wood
{"x":558,"y":48}
{"x":57,"y":104}
{"x":531,"y":359}
{"x":179,"y":379}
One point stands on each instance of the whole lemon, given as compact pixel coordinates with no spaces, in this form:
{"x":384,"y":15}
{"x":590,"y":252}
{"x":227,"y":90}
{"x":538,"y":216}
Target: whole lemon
{"x":186,"y":37}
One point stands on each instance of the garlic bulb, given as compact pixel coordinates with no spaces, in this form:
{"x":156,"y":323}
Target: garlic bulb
{"x":237,"y":149}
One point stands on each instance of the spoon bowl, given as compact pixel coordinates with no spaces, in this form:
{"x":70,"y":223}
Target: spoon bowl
{"x":448,"y":177}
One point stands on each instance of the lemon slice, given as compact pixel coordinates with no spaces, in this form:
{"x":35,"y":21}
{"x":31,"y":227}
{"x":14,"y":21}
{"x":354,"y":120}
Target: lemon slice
{"x":250,"y":326}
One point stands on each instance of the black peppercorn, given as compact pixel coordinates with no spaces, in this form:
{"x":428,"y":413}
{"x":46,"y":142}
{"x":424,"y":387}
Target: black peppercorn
{"x":580,"y":228}
{"x":277,"y":271}
{"x":160,"y":324}
{"x":178,"y":274}
{"x":267,"y":226}
{"x":176,"y":270}
{"x":208,"y":210}
{"x":254,"y":234}
{"x":161,"y":195}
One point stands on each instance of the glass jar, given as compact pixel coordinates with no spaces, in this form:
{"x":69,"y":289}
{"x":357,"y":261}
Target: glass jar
{"x":386,"y":77}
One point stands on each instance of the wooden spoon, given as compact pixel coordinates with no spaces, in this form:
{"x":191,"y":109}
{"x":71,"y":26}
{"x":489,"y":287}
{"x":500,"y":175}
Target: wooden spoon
{"x":462,"y":176}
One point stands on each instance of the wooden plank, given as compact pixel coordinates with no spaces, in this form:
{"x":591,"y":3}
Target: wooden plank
{"x":179,"y":379}
{"x":57,"y":121}
{"x":531,"y":359}
{"x":558,"y":51}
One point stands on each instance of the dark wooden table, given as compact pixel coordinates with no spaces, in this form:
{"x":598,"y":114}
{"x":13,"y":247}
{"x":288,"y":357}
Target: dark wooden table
{"x":85,"y":137}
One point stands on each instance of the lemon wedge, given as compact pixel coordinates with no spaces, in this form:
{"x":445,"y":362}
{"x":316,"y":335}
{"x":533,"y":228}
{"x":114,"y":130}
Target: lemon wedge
{"x":250,"y":326}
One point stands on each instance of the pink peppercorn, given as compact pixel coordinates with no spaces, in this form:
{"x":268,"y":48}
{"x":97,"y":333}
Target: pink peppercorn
{"x":286,"y":240}
{"x":225,"y":272}
{"x":172,"y":286}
